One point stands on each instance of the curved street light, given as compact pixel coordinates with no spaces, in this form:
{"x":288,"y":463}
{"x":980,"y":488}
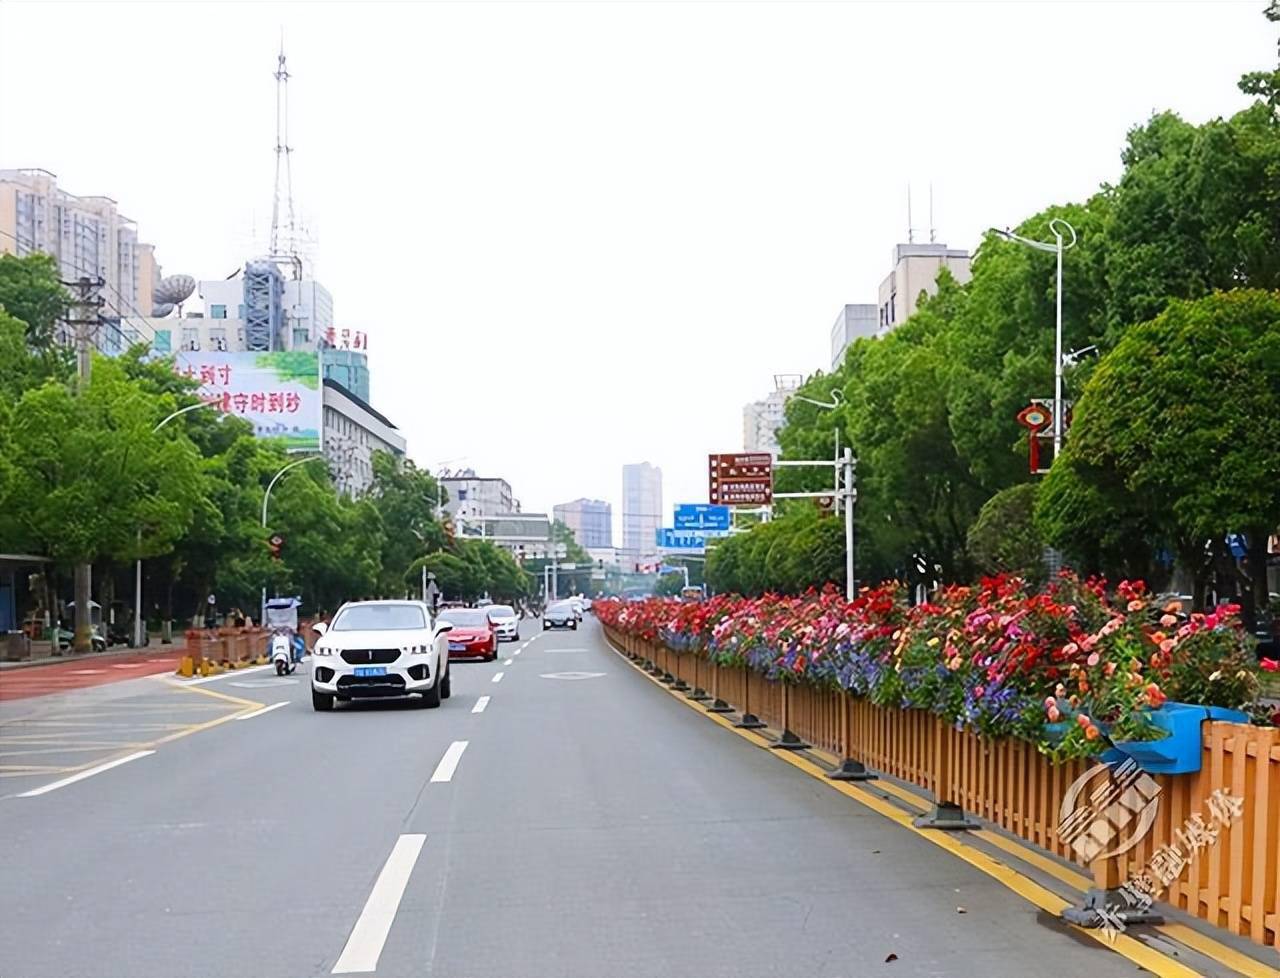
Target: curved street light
{"x":1057,"y":226}
{"x":266,"y":498}
{"x":837,"y":398}
{"x":138,"y":636}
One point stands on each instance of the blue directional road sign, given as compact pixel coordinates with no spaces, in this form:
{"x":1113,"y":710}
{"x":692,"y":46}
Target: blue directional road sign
{"x":670,"y":538}
{"x":701,"y":516}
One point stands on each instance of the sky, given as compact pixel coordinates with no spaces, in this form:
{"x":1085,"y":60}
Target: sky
{"x":585,"y":234}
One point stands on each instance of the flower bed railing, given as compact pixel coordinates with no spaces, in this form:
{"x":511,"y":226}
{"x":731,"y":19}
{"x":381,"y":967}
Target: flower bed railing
{"x":976,"y":725}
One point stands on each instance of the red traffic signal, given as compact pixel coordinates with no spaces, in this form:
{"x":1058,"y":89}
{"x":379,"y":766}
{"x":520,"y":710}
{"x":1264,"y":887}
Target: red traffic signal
{"x":275,"y":544}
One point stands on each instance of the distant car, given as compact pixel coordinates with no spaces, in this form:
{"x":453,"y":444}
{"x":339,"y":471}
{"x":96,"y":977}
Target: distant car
{"x":505,"y":621}
{"x":473,"y":637}
{"x":378,"y":649}
{"x":560,"y":614}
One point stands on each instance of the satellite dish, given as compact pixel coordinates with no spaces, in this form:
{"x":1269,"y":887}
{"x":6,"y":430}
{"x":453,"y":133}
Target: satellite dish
{"x":161,"y":309}
{"x":175,"y":289}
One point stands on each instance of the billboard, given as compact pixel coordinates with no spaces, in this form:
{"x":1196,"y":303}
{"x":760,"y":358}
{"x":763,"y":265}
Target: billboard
{"x":700,"y":516}
{"x":278,"y":392}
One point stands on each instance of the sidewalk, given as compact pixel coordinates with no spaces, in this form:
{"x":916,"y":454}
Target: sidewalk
{"x":58,"y":675}
{"x":179,"y":643}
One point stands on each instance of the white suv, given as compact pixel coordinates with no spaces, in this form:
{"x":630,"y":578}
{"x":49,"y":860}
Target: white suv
{"x":377,"y":649}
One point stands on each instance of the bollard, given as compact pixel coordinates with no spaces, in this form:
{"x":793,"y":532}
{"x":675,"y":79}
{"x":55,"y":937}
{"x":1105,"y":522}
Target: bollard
{"x":848,"y":769}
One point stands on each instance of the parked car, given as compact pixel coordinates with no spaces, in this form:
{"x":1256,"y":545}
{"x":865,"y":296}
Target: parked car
{"x":505,"y":621}
{"x":560,"y":614}
{"x":473,"y":636}
{"x":378,"y":649}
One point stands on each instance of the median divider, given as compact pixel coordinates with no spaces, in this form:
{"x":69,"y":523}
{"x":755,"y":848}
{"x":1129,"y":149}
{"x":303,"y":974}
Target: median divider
{"x":213,"y":651}
{"x":1233,"y":885}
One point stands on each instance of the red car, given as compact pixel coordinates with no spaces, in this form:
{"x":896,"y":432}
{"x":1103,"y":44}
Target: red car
{"x":473,"y":635}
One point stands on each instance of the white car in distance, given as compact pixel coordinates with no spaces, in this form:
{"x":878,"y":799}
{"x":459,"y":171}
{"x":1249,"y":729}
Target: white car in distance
{"x":505,"y":621}
{"x":376,"y":649}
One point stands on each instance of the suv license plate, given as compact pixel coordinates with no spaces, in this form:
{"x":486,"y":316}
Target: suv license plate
{"x":371,"y":670}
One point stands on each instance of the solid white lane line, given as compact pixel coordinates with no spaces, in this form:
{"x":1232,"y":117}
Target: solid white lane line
{"x":449,"y":763}
{"x":85,"y":774}
{"x":497,"y":677}
{"x":364,"y":946}
{"x":507,"y":662}
{"x":481,"y":703}
{"x":265,"y":709}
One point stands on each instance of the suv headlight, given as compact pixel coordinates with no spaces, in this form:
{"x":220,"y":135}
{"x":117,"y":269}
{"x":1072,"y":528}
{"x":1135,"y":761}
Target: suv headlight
{"x":322,"y":650}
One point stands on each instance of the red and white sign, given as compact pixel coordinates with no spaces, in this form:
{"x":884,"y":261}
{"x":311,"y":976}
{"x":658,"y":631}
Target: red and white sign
{"x":741,"y":479}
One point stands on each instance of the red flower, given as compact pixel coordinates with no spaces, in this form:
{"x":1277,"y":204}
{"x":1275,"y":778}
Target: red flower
{"x":1270,"y":665}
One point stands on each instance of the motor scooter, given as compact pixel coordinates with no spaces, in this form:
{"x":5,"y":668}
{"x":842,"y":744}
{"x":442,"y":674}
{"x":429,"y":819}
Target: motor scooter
{"x":286,"y":647}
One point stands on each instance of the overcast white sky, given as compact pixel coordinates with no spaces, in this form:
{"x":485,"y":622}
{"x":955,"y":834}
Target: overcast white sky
{"x":584,"y":234}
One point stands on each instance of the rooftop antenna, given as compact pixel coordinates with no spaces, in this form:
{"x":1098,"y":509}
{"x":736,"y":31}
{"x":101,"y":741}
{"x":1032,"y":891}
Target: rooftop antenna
{"x":911,"y":231}
{"x":283,"y":154}
{"x":932,"y":231}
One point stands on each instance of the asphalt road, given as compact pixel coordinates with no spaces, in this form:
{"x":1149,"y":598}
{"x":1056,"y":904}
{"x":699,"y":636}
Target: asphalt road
{"x":590,"y":825}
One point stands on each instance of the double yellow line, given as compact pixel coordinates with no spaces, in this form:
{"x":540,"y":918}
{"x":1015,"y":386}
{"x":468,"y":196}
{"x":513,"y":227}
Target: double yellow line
{"x":1031,"y":891}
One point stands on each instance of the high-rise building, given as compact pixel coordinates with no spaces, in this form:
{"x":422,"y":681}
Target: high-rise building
{"x":915,"y":270}
{"x":641,"y":508}
{"x":762,"y":419}
{"x":474,"y":495}
{"x":88,"y":236}
{"x":854,"y":322}
{"x":591,"y":521}
{"x":353,"y":431}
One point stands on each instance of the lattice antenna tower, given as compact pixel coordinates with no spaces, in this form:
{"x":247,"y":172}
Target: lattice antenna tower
{"x":284,"y":167}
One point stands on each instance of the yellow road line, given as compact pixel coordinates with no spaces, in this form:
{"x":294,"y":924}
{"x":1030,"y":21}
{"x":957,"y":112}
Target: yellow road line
{"x":1212,"y":949}
{"x":238,"y":700}
{"x":1134,"y":950}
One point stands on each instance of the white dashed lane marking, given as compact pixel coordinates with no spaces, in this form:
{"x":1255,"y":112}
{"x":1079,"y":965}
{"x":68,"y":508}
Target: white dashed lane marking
{"x":364,"y":946}
{"x":497,"y":677}
{"x":449,"y":763}
{"x":481,"y":703}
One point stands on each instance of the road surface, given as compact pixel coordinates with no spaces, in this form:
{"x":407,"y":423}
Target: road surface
{"x":560,"y":815}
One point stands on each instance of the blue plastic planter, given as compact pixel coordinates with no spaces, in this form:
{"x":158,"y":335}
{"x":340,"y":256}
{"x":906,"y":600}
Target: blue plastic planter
{"x":1179,"y":752}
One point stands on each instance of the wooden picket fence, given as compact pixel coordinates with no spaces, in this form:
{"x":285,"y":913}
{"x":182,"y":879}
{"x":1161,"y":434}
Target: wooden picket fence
{"x":1233,"y":883}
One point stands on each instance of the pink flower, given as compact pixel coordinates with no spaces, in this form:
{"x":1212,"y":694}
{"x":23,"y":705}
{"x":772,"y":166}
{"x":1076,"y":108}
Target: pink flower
{"x":1270,"y":665}
{"x":1093,"y":659}
{"x":979,"y":690}
{"x":1168,"y":644}
{"x":1135,"y":605}
{"x":1168,"y":621}
{"x":1050,"y":702}
{"x":1070,"y":648}
{"x":1054,"y":714}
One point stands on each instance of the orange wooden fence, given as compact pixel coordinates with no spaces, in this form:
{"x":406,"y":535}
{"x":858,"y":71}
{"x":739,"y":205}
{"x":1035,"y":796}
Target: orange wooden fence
{"x":1233,"y":883}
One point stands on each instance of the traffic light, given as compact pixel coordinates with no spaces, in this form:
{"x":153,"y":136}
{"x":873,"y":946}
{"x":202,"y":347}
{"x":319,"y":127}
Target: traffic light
{"x":275,"y":545}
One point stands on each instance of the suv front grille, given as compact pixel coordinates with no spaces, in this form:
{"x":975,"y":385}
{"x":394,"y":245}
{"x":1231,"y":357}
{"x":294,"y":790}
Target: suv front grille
{"x":370,"y":657}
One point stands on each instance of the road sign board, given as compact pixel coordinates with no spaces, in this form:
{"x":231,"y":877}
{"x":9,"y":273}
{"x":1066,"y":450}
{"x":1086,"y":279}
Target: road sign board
{"x":673,"y":538}
{"x":701,"y":516}
{"x":568,"y":566}
{"x":743,"y":479}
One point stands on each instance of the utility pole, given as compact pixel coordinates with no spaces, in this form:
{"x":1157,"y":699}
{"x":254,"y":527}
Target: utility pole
{"x":87,"y":303}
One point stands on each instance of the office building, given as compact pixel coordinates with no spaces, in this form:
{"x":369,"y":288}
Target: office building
{"x":473,"y":495}
{"x":641,"y":508}
{"x":591,"y":521}
{"x":915,"y":270}
{"x":88,"y":236}
{"x":854,"y":322}
{"x":762,"y":419}
{"x":353,"y":431}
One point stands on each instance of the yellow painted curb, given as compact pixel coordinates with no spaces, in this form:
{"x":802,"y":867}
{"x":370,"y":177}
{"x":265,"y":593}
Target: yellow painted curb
{"x":1031,"y":891}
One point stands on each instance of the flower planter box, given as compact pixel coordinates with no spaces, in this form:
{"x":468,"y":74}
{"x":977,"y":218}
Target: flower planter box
{"x":1179,"y":752}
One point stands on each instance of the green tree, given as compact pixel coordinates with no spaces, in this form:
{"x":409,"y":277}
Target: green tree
{"x":669,"y":585}
{"x":1183,"y":417}
{"x":30,"y":290}
{"x":405,"y":498}
{"x":1004,"y":538}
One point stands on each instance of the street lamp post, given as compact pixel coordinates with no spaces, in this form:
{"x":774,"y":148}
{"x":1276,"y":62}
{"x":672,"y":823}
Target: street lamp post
{"x":266,"y":498}
{"x":138,"y":636}
{"x":1057,"y":226}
